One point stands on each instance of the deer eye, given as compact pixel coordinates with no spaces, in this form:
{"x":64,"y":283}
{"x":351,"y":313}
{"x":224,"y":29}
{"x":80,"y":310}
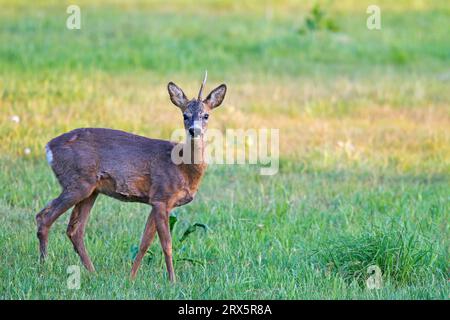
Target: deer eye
{"x":185,"y":116}
{"x":206,"y":116}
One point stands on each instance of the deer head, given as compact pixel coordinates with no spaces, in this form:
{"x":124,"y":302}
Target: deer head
{"x":196,"y":111}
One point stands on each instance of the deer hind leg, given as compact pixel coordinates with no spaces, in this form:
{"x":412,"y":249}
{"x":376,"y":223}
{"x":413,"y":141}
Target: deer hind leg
{"x":147,"y":239}
{"x":52,"y":211}
{"x":77,"y":227}
{"x":162,"y":226}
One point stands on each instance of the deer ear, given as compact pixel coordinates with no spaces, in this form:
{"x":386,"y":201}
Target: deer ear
{"x":177,"y":96}
{"x":216,"y":96}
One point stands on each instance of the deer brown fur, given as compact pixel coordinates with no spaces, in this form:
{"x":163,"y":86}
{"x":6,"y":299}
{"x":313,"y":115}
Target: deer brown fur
{"x":92,"y":161}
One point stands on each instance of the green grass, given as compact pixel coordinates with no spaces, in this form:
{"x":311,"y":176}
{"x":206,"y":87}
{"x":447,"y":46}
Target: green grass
{"x":269,"y":238}
{"x":365,"y":146}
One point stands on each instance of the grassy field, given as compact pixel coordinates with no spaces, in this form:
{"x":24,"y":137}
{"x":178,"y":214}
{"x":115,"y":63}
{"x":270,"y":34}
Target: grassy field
{"x":364,"y":122}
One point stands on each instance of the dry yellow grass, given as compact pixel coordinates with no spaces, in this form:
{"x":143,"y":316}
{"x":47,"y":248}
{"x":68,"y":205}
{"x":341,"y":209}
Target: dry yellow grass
{"x":329,"y":124}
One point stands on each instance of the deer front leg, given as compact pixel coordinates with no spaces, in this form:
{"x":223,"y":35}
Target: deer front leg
{"x":162,"y":226}
{"x":147,"y":238}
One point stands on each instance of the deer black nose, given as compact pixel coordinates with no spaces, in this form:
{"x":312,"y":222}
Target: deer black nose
{"x":194,"y":132}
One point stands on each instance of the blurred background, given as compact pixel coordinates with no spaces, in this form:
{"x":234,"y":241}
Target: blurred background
{"x":312,"y":69}
{"x":364,"y":124}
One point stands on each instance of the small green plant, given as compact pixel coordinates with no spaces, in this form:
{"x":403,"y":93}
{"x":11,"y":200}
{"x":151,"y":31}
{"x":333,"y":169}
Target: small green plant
{"x":173,"y":220}
{"x":192,"y":228}
{"x":317,"y":20}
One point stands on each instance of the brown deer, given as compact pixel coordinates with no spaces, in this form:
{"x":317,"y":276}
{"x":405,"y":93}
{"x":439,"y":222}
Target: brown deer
{"x":128,"y":167}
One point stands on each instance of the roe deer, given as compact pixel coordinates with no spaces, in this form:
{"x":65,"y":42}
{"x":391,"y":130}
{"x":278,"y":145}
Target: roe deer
{"x":92,"y":161}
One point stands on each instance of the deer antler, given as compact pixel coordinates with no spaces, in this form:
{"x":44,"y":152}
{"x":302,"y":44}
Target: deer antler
{"x":203,"y":84}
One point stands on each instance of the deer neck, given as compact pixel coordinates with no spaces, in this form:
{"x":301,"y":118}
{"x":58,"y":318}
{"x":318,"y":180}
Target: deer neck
{"x":196,"y":167}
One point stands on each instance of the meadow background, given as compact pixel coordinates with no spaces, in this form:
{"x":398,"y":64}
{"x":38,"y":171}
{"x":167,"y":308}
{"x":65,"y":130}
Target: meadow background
{"x":364,"y":124}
